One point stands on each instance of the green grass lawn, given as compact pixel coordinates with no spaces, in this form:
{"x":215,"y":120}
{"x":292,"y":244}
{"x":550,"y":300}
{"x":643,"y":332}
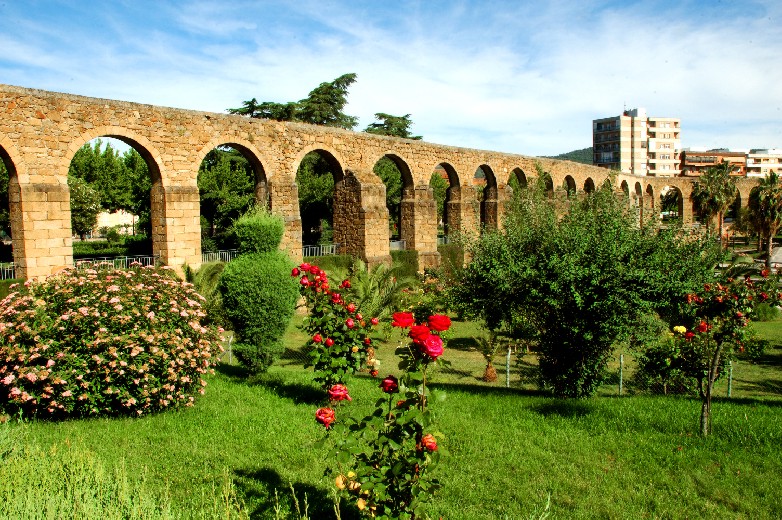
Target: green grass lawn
{"x":509,"y":449}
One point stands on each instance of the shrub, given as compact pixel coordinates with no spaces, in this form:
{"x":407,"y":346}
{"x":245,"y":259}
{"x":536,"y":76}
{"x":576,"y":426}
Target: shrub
{"x":112,"y":342}
{"x":259,"y":298}
{"x":406,"y":262}
{"x":766,"y":312}
{"x":331,"y":263}
{"x":259,"y":231}
{"x":206,"y":281}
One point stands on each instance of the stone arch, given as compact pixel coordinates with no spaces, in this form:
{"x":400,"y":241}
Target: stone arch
{"x":589,"y":185}
{"x":489,"y":204}
{"x":406,"y":209}
{"x":569,"y":185}
{"x":625,"y":189}
{"x":671,"y":203}
{"x":11,"y":199}
{"x":650,"y":197}
{"x":519,"y":176}
{"x":248,"y":150}
{"x":548,"y":183}
{"x":311,"y":225}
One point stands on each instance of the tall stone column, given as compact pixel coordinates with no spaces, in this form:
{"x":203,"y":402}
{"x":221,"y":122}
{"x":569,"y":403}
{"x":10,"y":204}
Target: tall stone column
{"x":284,"y":201}
{"x":176,"y":225}
{"x":453,"y":210}
{"x":361,"y":220}
{"x":419,"y":225}
{"x":490,"y":207}
{"x":40,"y":228}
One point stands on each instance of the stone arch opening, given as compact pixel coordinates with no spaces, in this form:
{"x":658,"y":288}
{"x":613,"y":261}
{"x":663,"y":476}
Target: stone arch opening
{"x":652,"y":206}
{"x":733,"y":211}
{"x":625,"y":189}
{"x":8,"y":183}
{"x":569,"y":185}
{"x":518,"y":180}
{"x":400,"y":195}
{"x":547,"y":182}
{"x":318,"y":177}
{"x":485,"y":184}
{"x":452,"y":208}
{"x":230,"y":180}
{"x":116,"y":196}
{"x":671,"y":204}
{"x":440,"y":184}
{"x":589,"y":186}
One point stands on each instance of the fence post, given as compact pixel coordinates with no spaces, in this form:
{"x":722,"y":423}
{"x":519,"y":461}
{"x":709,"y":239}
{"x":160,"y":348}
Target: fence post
{"x":621,"y":371}
{"x":730,"y":377}
{"x":507,"y":369}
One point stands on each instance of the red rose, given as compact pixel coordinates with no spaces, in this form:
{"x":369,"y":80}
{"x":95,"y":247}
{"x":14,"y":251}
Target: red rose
{"x":367,"y":341}
{"x":345,"y":284}
{"x":305,"y":267}
{"x":360,"y":317}
{"x":314,"y":269}
{"x":433,"y":346}
{"x":329,"y":342}
{"x":351,"y":308}
{"x":764,"y":273}
{"x":325,"y":416}
{"x":295,"y":271}
{"x":689,"y":335}
{"x":374,"y":321}
{"x":763,"y":296}
{"x":350,"y":323}
{"x":317,"y":338}
{"x":429,"y":442}
{"x":439,"y":322}
{"x":373,"y":373}
{"x":339,"y":393}
{"x":304,"y":281}
{"x":390,"y":385}
{"x":402,"y":320}
{"x":419,"y":333}
{"x":702,"y":327}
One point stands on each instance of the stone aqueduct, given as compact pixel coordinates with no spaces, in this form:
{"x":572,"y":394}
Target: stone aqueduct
{"x":41,"y":131}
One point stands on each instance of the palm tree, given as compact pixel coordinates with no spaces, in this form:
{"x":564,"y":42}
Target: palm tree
{"x":714,"y":192}
{"x":765,"y":206}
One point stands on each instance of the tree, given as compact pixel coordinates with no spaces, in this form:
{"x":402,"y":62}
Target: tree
{"x":389,"y":173}
{"x":714,"y":192}
{"x":765,"y":208}
{"x":439,"y":192}
{"x":395,"y":126}
{"x":579,"y":282}
{"x":323,"y":106}
{"x":226,"y":188}
{"x":137,"y":171}
{"x":85,"y":206}
{"x":103,"y":169}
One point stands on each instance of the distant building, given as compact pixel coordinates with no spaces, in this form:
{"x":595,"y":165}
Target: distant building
{"x":636,"y":144}
{"x":694,"y":163}
{"x":762,"y":161}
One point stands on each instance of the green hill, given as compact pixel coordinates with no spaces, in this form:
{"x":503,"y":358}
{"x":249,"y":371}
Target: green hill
{"x":583,"y":156}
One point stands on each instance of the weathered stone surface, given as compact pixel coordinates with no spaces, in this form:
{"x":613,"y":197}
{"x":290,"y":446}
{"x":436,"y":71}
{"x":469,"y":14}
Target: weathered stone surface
{"x":41,"y":131}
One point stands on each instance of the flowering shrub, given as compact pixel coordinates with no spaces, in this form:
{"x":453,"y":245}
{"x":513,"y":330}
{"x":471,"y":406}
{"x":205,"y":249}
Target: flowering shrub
{"x":108,"y":342}
{"x":719,"y":315}
{"x":390,"y":476}
{"x":339,"y":342}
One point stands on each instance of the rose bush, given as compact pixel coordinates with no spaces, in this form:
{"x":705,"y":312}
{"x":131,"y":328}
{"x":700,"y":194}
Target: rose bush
{"x":340,"y":342}
{"x":385,"y":460}
{"x":109,"y":342}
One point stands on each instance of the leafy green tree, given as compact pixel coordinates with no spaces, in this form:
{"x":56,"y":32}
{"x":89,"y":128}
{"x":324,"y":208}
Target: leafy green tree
{"x":137,"y":171}
{"x":103,"y":169}
{"x":395,"y":126}
{"x":714,"y":192}
{"x":765,"y":208}
{"x":579,"y":282}
{"x":323,"y":106}
{"x":85,"y":206}
{"x":226,"y":188}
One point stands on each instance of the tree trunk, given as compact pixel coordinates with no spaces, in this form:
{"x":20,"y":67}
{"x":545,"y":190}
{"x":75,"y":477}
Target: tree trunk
{"x":769,"y":251}
{"x":490,"y":374}
{"x":721,"y":221}
{"x":706,"y":397}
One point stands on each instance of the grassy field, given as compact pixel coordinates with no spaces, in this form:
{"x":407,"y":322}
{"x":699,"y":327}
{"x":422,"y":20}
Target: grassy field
{"x":510,"y":449}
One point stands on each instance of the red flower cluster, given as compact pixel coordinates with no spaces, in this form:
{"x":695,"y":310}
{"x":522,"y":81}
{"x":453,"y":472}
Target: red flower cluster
{"x":390,"y":385}
{"x":424,"y":336}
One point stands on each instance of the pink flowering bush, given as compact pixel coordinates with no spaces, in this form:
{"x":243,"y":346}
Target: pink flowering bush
{"x":340,"y":342}
{"x":113,"y":342}
{"x":385,"y":460}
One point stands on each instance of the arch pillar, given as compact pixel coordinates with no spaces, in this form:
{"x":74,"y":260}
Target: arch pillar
{"x":176,"y":225}
{"x":419,"y":224}
{"x":284,"y":201}
{"x":490,"y":207}
{"x":361,"y":220}
{"x":504,"y":196}
{"x":454,"y":210}
{"x":40,"y":228}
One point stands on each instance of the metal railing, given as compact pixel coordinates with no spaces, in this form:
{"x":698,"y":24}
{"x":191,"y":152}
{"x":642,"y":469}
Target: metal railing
{"x":397,"y":245}
{"x":441,"y":241}
{"x":219,"y":256}
{"x":320,"y":250}
{"x":7,"y":271}
{"x":115,"y":262}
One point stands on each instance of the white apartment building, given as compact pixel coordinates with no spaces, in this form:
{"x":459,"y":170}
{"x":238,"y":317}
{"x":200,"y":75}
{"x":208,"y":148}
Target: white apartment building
{"x":636,"y":144}
{"x":761,"y":161}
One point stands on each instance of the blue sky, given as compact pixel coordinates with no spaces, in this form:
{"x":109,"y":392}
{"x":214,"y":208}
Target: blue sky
{"x":515,"y":76}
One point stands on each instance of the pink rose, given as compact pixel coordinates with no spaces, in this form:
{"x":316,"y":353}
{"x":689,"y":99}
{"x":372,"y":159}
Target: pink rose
{"x":433,"y":346}
{"x":428,"y":442}
{"x":325,"y":416}
{"x":339,"y":392}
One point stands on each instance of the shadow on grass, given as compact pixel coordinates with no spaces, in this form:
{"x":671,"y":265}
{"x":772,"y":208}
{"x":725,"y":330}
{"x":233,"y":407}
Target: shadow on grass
{"x":463,"y":344}
{"x":488,"y":389}
{"x":567,"y":408}
{"x":263,"y":492}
